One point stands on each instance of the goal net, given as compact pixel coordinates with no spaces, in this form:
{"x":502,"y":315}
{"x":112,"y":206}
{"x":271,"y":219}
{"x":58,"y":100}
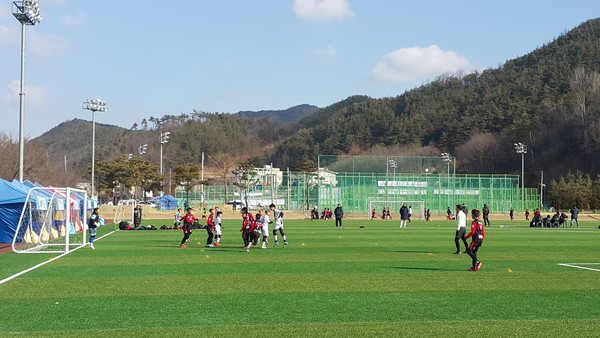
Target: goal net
{"x":53,"y":220}
{"x":417,"y":207}
{"x":124,"y":211}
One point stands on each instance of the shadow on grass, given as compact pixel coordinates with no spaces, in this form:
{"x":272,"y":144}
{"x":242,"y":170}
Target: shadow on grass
{"x":419,"y":268}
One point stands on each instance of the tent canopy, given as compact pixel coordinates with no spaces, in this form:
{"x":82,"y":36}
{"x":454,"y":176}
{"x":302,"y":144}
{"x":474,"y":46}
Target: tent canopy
{"x":12,"y":199}
{"x":166,"y":202}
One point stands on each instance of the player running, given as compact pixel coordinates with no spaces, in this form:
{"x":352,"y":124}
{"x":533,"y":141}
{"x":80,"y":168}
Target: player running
{"x":478,"y":234}
{"x":188,"y":220}
{"x":278,"y":215}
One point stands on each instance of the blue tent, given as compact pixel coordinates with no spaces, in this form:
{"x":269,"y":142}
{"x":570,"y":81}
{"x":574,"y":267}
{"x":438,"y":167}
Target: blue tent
{"x":12,"y":199}
{"x":166,"y":202}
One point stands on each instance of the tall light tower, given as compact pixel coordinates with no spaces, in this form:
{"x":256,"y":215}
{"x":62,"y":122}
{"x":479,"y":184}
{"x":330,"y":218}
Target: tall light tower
{"x":447,"y":159}
{"x":521,"y":148}
{"x":94,"y":105}
{"x":164,"y":138}
{"x":28,"y":13}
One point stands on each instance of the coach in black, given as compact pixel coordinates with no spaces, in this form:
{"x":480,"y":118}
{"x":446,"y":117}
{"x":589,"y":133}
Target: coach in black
{"x":339,"y":213}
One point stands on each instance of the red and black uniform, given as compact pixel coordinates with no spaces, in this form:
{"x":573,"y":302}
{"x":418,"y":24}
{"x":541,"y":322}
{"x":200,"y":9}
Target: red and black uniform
{"x":478,"y":234}
{"x":247,"y":224}
{"x":210,"y":228}
{"x":255,"y":230}
{"x":188,"y":220}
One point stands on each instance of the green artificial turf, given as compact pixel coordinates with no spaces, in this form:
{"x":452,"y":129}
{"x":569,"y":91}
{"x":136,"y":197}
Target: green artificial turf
{"x":373,"y":281}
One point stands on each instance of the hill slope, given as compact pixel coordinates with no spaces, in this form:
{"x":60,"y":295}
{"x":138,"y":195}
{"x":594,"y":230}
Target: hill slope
{"x":289,"y":115}
{"x":477,"y":117}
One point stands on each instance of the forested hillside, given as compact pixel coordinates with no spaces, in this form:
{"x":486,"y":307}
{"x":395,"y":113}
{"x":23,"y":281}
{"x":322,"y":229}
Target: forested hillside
{"x":548,"y":99}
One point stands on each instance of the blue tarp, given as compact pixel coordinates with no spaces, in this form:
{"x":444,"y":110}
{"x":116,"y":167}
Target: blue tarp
{"x":166,"y":202}
{"x":12,"y":199}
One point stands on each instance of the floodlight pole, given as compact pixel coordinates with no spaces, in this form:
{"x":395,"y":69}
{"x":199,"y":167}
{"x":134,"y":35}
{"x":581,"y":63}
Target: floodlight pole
{"x":94,"y":105}
{"x":446,"y":158}
{"x":28,"y":13}
{"x":164,"y":138}
{"x":521,"y":148}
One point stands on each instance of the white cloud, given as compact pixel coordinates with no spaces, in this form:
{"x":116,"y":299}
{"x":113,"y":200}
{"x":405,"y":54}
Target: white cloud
{"x":322,"y":10}
{"x":34,"y":96}
{"x":48,"y":45}
{"x":9,"y":34}
{"x":410,"y":64}
{"x":325,"y":54}
{"x":74,"y":20}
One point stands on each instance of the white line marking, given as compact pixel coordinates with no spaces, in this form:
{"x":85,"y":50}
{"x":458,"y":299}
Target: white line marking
{"x":48,"y":261}
{"x":578,"y":266}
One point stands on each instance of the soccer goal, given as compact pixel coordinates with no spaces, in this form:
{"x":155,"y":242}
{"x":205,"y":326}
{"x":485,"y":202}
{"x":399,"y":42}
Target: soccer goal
{"x":53,"y":220}
{"x":124,"y":211}
{"x":417,"y":208}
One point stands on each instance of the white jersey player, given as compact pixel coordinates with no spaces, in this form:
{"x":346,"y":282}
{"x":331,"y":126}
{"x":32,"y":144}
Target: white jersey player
{"x":265,"y":220}
{"x":218,"y":231}
{"x":278,"y":216}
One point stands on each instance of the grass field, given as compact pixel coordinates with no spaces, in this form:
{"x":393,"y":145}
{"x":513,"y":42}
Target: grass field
{"x":372,"y":281}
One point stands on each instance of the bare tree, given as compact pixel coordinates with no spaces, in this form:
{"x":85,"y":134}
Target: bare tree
{"x":225,"y":163}
{"x":586,"y":90}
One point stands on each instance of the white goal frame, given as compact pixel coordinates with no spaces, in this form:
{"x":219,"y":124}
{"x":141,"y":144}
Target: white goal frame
{"x":120,"y":211}
{"x":417,"y":206}
{"x":53,"y":220}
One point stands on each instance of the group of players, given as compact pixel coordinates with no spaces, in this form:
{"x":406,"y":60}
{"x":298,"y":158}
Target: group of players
{"x":253,"y":226}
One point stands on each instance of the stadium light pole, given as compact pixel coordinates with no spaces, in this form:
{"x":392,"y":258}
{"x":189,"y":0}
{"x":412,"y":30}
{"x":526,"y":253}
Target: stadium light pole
{"x":394,"y":165}
{"x":164,"y":138}
{"x":28,"y":13}
{"x":521,"y":148}
{"x":447,"y":159}
{"x":94,"y":105}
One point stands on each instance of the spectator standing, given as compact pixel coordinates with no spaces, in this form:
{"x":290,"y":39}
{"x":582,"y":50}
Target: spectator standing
{"x":403,"y":216}
{"x":512,"y":214}
{"x":339,"y":214}
{"x":574,"y":215}
{"x":137,"y":216}
{"x":486,"y":215}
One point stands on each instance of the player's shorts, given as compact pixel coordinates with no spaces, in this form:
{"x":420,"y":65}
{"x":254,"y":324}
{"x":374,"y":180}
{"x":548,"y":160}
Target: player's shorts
{"x":265,"y":230}
{"x":93,"y":231}
{"x":187,"y":228}
{"x":218,"y":230}
{"x":278,"y":226}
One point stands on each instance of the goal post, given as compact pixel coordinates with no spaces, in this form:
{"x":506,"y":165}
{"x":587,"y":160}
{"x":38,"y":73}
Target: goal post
{"x":124,"y":211}
{"x":417,"y":208}
{"x":53,"y":220}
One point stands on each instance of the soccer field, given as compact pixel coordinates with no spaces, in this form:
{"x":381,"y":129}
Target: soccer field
{"x":373,"y":281}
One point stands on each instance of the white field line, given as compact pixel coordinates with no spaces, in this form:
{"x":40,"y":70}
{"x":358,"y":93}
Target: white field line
{"x":579,"y":266}
{"x":48,"y":261}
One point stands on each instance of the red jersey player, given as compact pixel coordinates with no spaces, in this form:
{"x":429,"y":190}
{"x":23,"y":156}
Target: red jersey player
{"x":188,"y":220}
{"x":478,"y":234}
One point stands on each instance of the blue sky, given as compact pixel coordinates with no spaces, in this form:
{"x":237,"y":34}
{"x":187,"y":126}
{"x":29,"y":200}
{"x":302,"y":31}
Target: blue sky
{"x":151,"y":58}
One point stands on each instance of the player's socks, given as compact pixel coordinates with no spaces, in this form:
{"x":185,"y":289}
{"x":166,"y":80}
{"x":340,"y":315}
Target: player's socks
{"x":275,"y":238}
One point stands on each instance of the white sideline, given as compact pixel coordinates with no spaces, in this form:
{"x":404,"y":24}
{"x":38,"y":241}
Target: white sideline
{"x":578,"y":266}
{"x":48,"y":261}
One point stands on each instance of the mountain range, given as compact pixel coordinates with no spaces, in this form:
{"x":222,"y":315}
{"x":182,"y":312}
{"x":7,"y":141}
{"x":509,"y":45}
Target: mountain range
{"x":548,"y":99}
